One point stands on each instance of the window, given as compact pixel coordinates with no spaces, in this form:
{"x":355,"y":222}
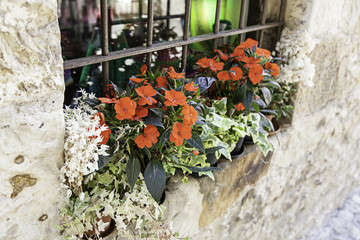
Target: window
{"x":107,"y":19}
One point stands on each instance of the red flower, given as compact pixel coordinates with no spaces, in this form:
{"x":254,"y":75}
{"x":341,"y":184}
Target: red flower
{"x":215,"y":65}
{"x":204,"y":62}
{"x":146,"y":94}
{"x":104,"y":134}
{"x":180,"y":132}
{"x":174,"y":98}
{"x":250,"y":61}
{"x":223,"y":56}
{"x":249,"y":43}
{"x":143,"y":69}
{"x":148,"y":138}
{"x":190,"y":87}
{"x":240,"y":107}
{"x":125,"y":108}
{"x":107,"y":100}
{"x":235,"y":73}
{"x":137,"y":80}
{"x":273,"y":68}
{"x":195,"y":152}
{"x":255,"y":74}
{"x":173,"y":74}
{"x":210,"y":63}
{"x":190,"y":115}
{"x":110,"y":91}
{"x":263,"y":52}
{"x":140,"y":112}
{"x":223,"y":75}
{"x":161,"y":82}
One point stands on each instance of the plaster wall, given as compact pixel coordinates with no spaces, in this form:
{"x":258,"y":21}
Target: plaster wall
{"x":316,"y":164}
{"x":309,"y":174}
{"x":31,"y":123}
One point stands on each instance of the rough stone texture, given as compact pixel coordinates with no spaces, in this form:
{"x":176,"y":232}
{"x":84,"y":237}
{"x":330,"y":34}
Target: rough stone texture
{"x":32,"y":122}
{"x":317,"y":162}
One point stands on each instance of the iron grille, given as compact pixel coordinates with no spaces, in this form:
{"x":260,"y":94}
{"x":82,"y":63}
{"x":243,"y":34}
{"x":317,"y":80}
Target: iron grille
{"x":150,"y":47}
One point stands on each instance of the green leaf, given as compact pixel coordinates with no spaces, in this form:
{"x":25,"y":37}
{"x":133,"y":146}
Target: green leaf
{"x":221,"y":106}
{"x":158,"y":111}
{"x":92,"y":102}
{"x":164,"y":138}
{"x":248,"y":100}
{"x":239,"y":94}
{"x":203,"y":169}
{"x":196,"y":142}
{"x":204,"y":82}
{"x":213,"y":149}
{"x":132,"y":170}
{"x":154,"y":120}
{"x":155,"y":179}
{"x":267,"y":94}
{"x":211,"y":158}
{"x":255,"y":106}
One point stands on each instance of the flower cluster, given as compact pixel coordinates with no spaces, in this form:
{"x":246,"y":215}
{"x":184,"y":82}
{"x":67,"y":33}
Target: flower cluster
{"x":85,"y":136}
{"x":238,"y":71}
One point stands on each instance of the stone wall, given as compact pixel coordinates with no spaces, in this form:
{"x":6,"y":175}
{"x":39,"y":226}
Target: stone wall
{"x":317,"y":162}
{"x":284,"y":196}
{"x":32,"y":122}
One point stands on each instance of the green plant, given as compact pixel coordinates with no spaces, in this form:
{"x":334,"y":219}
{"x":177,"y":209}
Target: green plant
{"x":281,"y":101}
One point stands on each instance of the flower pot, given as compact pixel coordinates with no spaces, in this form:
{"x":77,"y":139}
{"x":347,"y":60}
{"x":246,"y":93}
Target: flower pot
{"x":239,"y":148}
{"x":276,"y":126}
{"x":248,"y":140}
{"x":108,"y":229}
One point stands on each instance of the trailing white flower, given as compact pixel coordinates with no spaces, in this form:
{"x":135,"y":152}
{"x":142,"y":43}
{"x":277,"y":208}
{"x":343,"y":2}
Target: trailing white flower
{"x":82,"y":143}
{"x":294,"y":49}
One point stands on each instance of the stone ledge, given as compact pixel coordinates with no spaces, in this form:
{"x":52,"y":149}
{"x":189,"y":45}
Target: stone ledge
{"x":196,"y":205}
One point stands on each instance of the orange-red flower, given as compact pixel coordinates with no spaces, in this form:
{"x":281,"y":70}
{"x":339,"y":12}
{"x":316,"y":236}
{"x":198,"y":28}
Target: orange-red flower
{"x":110,"y":91}
{"x":190,"y":115}
{"x":223,"y":56}
{"x":174,"y":98}
{"x":210,"y":63}
{"x":137,"y":80}
{"x":215,"y":65}
{"x":204,"y":62}
{"x":140,"y":112}
{"x":148,"y":138}
{"x":107,"y":100}
{"x":173,"y":74}
{"x":195,"y":152}
{"x":255,"y":74}
{"x":161,"y":82}
{"x":240,"y":107}
{"x":180,"y":132}
{"x":104,"y":134}
{"x":146,"y":94}
{"x":235,"y":73}
{"x":273,"y":68}
{"x":238,"y":53}
{"x":263,"y":52}
{"x":143,"y":69}
{"x":125,"y":108}
{"x":223,"y":75}
{"x":190,"y":87}
{"x":250,"y":61}
{"x":249,"y":43}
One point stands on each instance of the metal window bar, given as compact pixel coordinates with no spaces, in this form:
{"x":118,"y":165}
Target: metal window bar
{"x":104,"y":42}
{"x":109,"y":56}
{"x":263,"y":21}
{"x":150,"y":30}
{"x":217,"y":21}
{"x":244,"y":5}
{"x":186,"y":34}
